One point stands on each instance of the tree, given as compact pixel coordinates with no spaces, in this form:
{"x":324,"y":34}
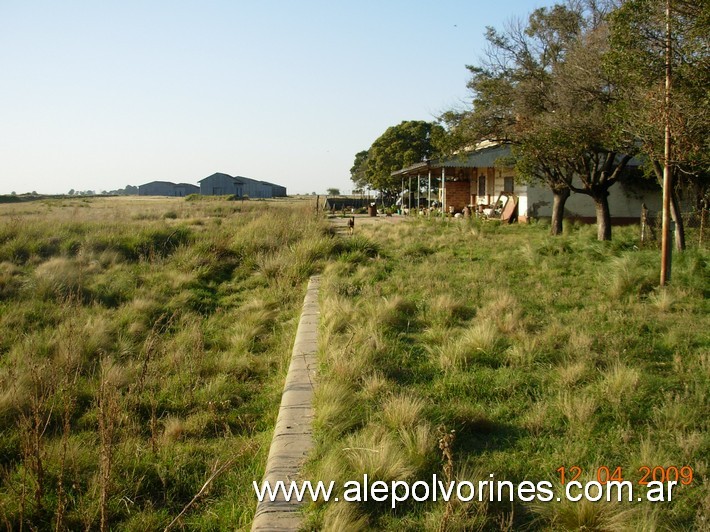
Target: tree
{"x":333,"y":191}
{"x":405,"y":144}
{"x":513,"y":96}
{"x":358,"y":172}
{"x":542,"y":89}
{"x":594,"y":148}
{"x":637,"y":60}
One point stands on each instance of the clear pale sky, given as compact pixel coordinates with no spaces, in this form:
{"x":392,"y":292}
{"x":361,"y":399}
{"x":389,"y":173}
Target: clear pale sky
{"x":97,"y":94}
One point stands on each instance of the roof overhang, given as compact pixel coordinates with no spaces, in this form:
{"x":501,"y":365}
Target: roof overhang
{"x":480,"y":158}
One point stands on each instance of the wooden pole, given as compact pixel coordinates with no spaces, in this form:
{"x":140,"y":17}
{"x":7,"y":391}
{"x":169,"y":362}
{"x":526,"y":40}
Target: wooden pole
{"x":428,"y":206}
{"x":665,"y":233}
{"x":409,"y":196}
{"x":443,"y":191}
{"x":419,"y":186}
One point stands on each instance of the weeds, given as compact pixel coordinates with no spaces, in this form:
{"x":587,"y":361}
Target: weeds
{"x":538,"y":352}
{"x":140,"y":344}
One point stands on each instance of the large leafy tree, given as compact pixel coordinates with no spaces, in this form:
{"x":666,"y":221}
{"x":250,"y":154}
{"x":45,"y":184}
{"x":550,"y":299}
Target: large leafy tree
{"x":594,"y":147}
{"x":358,"y":171}
{"x":637,"y":60}
{"x":542,"y":88}
{"x":513,"y":93}
{"x":405,"y":144}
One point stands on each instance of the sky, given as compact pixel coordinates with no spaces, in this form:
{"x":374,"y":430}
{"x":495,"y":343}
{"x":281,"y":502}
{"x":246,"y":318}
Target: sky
{"x":99,"y":95}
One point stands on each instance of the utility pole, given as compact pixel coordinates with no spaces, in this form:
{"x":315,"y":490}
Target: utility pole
{"x":667,"y":190}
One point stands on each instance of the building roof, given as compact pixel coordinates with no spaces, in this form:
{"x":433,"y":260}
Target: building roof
{"x":157,"y":183}
{"x":221,"y":174}
{"x":249,"y":180}
{"x":241,"y":180}
{"x":485,"y":155}
{"x":480,"y":158}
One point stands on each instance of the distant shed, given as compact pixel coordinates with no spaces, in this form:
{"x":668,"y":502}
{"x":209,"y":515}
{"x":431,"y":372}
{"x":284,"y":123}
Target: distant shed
{"x":220,"y":184}
{"x":166,"y":188}
{"x":261,"y":189}
{"x":185,"y":189}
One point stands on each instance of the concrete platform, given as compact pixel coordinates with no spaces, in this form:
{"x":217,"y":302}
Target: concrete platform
{"x":293,"y":438}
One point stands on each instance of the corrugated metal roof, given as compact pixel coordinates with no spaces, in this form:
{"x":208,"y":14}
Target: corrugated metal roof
{"x":250,"y":180}
{"x":157,"y":183}
{"x":482,"y":158}
{"x":241,"y":180}
{"x":223,"y":175}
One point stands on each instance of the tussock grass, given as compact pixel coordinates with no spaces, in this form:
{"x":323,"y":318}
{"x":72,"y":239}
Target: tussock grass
{"x":577,"y":408}
{"x":337,"y":412}
{"x":401,"y":411}
{"x":573,"y":373}
{"x":600,"y":515}
{"x":523,"y":353}
{"x":628,"y":276}
{"x":396,"y":314}
{"x":420,"y":444}
{"x":345,"y":516}
{"x":480,"y":343}
{"x":142,"y":344}
{"x":619,"y":383}
{"x":538,"y":352}
{"x":376,"y":453}
{"x":448,"y":310}
{"x":374,"y":385}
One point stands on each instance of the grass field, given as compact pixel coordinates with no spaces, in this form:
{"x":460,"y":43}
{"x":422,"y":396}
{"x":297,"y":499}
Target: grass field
{"x":144,"y":342}
{"x":143,"y":345}
{"x":537,"y":352}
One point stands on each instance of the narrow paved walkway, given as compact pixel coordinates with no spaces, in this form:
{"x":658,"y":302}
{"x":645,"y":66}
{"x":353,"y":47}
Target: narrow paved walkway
{"x":293,"y":439}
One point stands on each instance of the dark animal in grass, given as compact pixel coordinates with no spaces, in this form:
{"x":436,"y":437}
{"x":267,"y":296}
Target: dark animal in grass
{"x":351,"y":224}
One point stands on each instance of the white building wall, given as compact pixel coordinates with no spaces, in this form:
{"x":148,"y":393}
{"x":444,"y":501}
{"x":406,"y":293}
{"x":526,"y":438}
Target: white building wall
{"x":624,"y":202}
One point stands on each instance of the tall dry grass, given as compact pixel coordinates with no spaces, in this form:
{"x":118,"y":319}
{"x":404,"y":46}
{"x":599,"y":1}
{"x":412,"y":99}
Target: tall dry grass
{"x":538,"y":352}
{"x":141,"y":341}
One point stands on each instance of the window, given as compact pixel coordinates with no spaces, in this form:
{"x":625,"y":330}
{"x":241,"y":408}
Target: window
{"x":481,"y":185}
{"x":508,"y":184}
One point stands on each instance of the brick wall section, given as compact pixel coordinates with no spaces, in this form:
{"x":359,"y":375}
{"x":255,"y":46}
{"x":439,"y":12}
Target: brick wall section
{"x":458,"y":194}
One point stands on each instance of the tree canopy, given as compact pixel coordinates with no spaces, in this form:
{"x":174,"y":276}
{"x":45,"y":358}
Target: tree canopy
{"x":637,"y":59}
{"x":405,"y":144}
{"x":521,"y":97}
{"x":543,"y":88}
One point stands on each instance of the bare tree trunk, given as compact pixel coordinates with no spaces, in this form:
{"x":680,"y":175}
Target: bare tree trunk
{"x":559,"y":198}
{"x":601,"y":205}
{"x":678,"y":220}
{"x":675,"y":208}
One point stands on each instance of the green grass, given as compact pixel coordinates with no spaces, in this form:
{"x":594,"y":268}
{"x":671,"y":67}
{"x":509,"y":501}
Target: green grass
{"x":538,"y":352}
{"x":143,"y":345}
{"x":144,"y":342}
